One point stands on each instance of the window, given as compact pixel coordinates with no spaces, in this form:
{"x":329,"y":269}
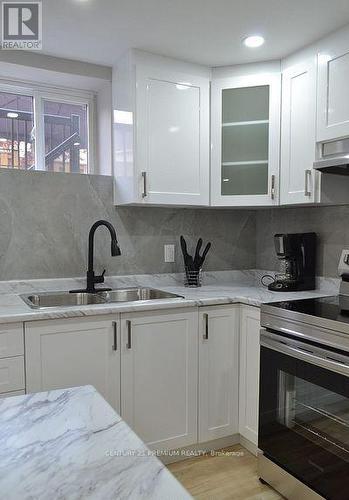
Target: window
{"x":45,"y":131}
{"x":17,"y":148}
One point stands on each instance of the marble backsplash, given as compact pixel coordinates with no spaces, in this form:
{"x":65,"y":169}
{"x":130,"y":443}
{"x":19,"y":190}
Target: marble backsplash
{"x":45,"y":219}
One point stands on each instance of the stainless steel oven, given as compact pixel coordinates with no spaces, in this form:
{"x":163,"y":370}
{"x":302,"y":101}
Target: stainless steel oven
{"x":304,"y":406}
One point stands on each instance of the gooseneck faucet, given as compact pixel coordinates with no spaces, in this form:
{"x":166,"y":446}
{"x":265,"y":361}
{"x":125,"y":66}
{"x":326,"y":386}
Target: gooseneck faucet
{"x":91,"y":278}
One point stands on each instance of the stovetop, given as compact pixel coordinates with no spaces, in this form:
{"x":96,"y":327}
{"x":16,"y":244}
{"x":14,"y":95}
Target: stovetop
{"x":334,"y":308}
{"x":322,"y":320}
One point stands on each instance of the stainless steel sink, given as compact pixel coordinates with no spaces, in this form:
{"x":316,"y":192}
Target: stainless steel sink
{"x":61,"y":299}
{"x":136,"y":294}
{"x":66,"y":299}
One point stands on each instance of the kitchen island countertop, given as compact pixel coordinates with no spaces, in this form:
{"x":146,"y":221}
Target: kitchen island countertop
{"x":70,"y":444}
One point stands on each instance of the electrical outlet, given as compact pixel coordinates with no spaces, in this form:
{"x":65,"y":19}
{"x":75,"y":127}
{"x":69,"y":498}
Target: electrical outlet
{"x":169,"y":253}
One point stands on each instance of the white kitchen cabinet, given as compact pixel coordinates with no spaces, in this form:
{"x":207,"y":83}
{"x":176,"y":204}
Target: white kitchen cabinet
{"x":11,"y":394}
{"x":249,"y":373}
{"x":12,"y":374}
{"x":160,"y":131}
{"x":11,"y":340}
{"x":159,"y":376}
{"x":218,"y":372}
{"x":332,"y":100}
{"x":298,"y":180}
{"x":73,"y":352}
{"x":245,"y":135}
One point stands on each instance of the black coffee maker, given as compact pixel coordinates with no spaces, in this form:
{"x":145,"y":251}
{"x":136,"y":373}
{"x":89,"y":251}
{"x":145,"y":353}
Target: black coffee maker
{"x":297,"y":255}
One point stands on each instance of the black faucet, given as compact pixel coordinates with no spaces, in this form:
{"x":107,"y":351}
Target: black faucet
{"x":91,"y":278}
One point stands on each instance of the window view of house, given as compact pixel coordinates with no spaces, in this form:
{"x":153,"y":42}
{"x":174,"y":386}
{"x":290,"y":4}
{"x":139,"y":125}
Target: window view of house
{"x":65,"y":131}
{"x":66,"y":137}
{"x":17,"y":145}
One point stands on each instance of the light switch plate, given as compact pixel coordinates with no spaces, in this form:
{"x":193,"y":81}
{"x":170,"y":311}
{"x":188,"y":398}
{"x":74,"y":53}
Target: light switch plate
{"x":169,"y":253}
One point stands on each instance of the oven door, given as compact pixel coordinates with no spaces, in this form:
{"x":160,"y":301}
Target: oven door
{"x":304,"y":412}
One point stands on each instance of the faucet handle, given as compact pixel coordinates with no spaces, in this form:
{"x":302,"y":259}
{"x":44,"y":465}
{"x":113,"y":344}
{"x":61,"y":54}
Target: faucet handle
{"x":100,"y":279}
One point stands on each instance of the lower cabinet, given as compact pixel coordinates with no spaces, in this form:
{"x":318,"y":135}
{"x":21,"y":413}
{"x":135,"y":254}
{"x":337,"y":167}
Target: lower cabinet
{"x":178,"y":377}
{"x":159,"y":376}
{"x":218,"y":372}
{"x":249,"y":373}
{"x":71,"y":352}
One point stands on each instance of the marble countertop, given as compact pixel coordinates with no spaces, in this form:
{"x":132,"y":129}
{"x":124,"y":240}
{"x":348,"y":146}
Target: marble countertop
{"x":218,"y":288}
{"x":70,"y":444}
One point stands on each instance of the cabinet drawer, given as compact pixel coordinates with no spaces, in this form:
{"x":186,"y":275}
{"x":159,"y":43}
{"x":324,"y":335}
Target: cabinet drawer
{"x":11,"y":340}
{"x":12,"y":374}
{"x":13,"y":393}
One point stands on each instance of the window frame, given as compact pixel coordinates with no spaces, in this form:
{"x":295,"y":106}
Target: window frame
{"x":41,"y":93}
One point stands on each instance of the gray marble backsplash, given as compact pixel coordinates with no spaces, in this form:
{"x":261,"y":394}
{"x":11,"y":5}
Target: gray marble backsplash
{"x":45,"y":219}
{"x":330,"y":224}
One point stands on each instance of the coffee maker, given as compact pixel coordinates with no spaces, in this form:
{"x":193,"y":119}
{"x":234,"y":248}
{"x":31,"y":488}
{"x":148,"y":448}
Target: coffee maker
{"x":297,"y":255}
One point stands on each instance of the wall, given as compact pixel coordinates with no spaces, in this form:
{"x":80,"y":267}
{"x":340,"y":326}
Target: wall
{"x":45,"y":219}
{"x":330,"y":223}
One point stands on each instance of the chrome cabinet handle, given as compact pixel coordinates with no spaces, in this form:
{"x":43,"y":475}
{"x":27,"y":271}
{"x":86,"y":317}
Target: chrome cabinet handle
{"x":307,"y":191}
{"x":115,"y":330}
{"x":205,"y":336}
{"x":129,"y":334}
{"x":144,"y":176}
{"x":272,"y":194}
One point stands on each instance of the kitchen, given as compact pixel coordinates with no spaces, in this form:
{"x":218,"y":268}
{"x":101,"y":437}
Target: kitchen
{"x":174,"y":260}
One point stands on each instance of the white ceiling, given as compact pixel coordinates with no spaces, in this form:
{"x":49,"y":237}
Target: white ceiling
{"x":203,"y":31}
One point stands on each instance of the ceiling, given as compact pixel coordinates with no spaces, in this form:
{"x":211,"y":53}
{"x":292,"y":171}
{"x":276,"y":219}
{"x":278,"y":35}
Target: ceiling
{"x":202,"y":31}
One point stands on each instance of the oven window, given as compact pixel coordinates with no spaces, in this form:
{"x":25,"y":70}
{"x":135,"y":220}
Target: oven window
{"x":314,"y":412}
{"x":304,"y":422}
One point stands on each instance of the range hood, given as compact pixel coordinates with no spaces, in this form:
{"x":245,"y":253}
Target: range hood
{"x":338,"y":165}
{"x":334,"y":158}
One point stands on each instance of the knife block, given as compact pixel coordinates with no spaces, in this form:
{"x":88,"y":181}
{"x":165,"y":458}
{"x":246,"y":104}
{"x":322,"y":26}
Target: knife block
{"x":193,"y":279}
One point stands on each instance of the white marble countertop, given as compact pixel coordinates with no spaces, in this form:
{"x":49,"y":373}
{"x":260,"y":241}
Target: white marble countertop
{"x":218,"y":288}
{"x":70,"y":444}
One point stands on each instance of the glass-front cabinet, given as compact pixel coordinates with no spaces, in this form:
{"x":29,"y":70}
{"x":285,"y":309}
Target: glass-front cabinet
{"x":245,"y":140}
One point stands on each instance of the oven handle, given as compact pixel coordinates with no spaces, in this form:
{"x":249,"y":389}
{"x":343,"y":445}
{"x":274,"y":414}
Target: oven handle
{"x":305,"y":354}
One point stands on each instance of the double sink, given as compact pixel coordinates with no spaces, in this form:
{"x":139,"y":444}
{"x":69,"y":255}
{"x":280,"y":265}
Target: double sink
{"x":71,"y":299}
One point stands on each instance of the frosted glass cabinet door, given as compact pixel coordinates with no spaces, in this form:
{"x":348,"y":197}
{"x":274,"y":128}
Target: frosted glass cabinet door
{"x":245,"y":140}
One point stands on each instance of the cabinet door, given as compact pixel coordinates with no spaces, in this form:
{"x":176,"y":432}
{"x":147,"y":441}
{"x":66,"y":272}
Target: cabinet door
{"x":159,"y":365}
{"x":298,"y":134}
{"x":218,"y":372}
{"x":249,"y":373}
{"x":333,"y":102}
{"x":245,"y":133}
{"x":74,"y":352}
{"x":172,"y":154}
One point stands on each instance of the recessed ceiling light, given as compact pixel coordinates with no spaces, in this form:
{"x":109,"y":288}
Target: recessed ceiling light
{"x":12,"y":115}
{"x":253,"y":41}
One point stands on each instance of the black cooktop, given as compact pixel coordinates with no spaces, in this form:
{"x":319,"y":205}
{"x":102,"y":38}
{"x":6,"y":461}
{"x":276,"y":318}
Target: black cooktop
{"x":334,"y":308}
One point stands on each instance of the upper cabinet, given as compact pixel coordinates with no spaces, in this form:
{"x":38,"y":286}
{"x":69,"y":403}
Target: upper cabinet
{"x":245,"y":135}
{"x":298,"y":180}
{"x":333,"y":101}
{"x":161,"y":131}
